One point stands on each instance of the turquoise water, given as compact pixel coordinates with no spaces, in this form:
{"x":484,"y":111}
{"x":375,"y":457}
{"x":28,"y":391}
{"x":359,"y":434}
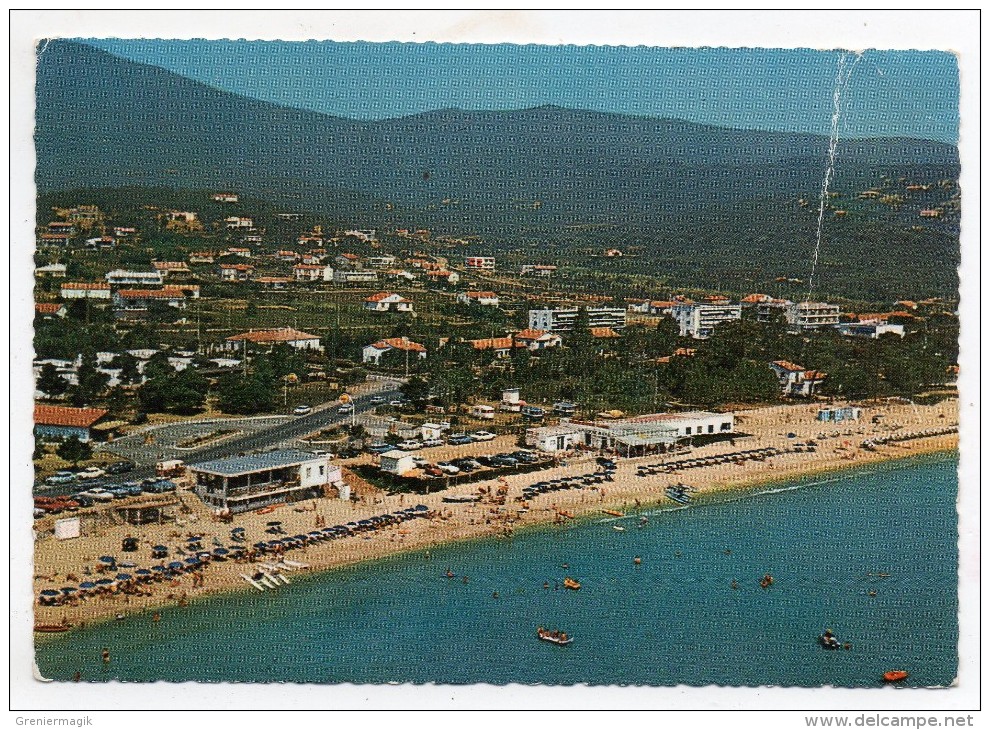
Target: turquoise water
{"x":674,"y":619}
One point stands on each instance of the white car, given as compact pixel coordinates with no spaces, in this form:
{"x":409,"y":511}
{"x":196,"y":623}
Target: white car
{"x":99,"y":494}
{"x":433,"y":442}
{"x":482,"y":435}
{"x":410,"y":445}
{"x":378,"y":399}
{"x":91,"y":472}
{"x":448,"y":468}
{"x":345,"y":408}
{"x":302,"y":410}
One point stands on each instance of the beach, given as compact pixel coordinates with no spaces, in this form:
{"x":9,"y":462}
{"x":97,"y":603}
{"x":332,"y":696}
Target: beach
{"x":837,"y":446}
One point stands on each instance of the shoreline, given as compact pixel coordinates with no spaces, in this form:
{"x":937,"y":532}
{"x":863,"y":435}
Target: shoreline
{"x":454,"y":523}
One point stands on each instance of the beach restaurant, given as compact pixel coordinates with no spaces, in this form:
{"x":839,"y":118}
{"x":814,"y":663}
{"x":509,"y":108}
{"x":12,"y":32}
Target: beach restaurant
{"x":243,"y":483}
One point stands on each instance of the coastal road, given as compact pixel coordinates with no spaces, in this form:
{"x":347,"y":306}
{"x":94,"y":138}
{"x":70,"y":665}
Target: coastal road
{"x":259,"y":434}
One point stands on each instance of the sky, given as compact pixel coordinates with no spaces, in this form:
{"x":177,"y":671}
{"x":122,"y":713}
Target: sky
{"x":889,"y":93}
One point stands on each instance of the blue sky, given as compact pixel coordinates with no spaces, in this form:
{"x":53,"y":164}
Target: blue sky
{"x":890,"y":93}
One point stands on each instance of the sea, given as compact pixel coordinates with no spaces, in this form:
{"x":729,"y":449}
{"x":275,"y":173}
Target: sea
{"x":870,"y":554}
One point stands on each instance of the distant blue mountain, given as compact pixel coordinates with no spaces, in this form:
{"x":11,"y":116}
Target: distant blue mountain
{"x":105,"y":121}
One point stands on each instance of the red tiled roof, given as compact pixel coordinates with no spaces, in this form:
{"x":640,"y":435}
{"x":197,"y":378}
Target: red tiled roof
{"x":482,"y":295}
{"x":381,"y":296}
{"x":273,"y":279}
{"x":288,"y":334}
{"x":530,"y":334}
{"x":66,"y":416}
{"x":604,"y":332}
{"x":308,"y":267}
{"x":786,"y":365}
{"x":47,"y":307}
{"x":84,"y":285}
{"x":149,"y":294}
{"x":755,"y":298}
{"x":237,"y":267}
{"x":397,"y":343}
{"x":170,"y":265}
{"x":493,"y":343}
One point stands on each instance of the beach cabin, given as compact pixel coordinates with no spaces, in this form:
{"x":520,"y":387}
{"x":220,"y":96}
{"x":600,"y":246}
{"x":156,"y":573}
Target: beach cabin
{"x":431,"y":431}
{"x":838,"y":415}
{"x":486,"y":413}
{"x":245,"y":483}
{"x":396,"y":462}
{"x":64,"y":422}
{"x":532,"y":413}
{"x":565,"y":408}
{"x":552,"y":438}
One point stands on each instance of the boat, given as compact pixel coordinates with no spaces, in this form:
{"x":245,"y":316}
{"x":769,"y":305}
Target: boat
{"x":563,"y":513}
{"x":613,"y":512}
{"x":554,"y":637}
{"x":895,"y":675}
{"x":766,"y":581}
{"x":678,"y":494}
{"x":828,"y":640}
{"x":52,"y":628}
{"x":618,"y":528}
{"x":268,"y":581}
{"x":571,"y":583}
{"x":460,"y":498}
{"x":266,"y":510}
{"x":252,"y":581}
{"x":295,"y":564}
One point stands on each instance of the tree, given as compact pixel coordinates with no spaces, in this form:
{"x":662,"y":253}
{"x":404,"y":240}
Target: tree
{"x":245,"y":395}
{"x":128,"y":366}
{"x":183,"y":392}
{"x":251,"y":310}
{"x":73,"y":450}
{"x":50,"y":382}
{"x":416,"y":389}
{"x":90,"y":382}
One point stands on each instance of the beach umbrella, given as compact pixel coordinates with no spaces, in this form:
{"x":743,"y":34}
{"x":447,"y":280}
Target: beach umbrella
{"x":104,"y":582}
{"x":87,"y":585}
{"x":108,"y":559}
{"x":238,"y":529}
{"x":159,"y":568}
{"x":422,"y":508}
{"x":274,"y":523}
{"x":142,"y":571}
{"x":274,"y":543}
{"x":261,"y":545}
{"x":159,"y":547}
{"x":69,"y":589}
{"x":192,"y":561}
{"x":195,"y":538}
{"x":175,"y":566}
{"x":49,"y":592}
{"x":221,"y":551}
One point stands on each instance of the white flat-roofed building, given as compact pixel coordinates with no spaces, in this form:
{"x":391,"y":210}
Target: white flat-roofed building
{"x":85,"y":290}
{"x":245,"y":483}
{"x":382,"y":261}
{"x":802,"y":316}
{"x":343,"y":276}
{"x":872,"y":330}
{"x":312,"y":272}
{"x":396,"y":462}
{"x":699,"y":320}
{"x":562,"y":320}
{"x":122,"y":277}
{"x":553,"y":438}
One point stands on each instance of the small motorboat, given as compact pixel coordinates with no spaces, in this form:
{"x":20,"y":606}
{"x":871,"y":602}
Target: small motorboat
{"x":571,"y":583}
{"x":895,"y":675}
{"x":618,"y":528}
{"x":554,"y":637}
{"x":829,"y":641}
{"x":52,"y":628}
{"x":266,"y":510}
{"x":614,"y":513}
{"x":766,"y":581}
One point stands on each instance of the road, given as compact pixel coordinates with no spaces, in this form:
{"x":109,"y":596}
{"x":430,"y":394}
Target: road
{"x":260,"y":434}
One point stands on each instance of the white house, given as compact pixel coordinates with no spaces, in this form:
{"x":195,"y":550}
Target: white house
{"x":78,"y":290}
{"x":55,"y":271}
{"x":699,"y":320}
{"x":534,"y":339}
{"x":803,"y":316}
{"x":373,"y":352}
{"x":431,"y":431}
{"x":388,"y":302}
{"x":562,"y":320}
{"x":236,"y":272}
{"x":237,"y":222}
{"x":382,"y":261}
{"x":873,"y":330}
{"x":284,"y":336}
{"x":552,"y":438}
{"x":312,"y":272}
{"x":121,"y":277}
{"x":482,"y":263}
{"x":343,"y":276}
{"x":396,"y":462}
{"x":481,"y":298}
{"x":796,"y":380}
{"x":368,"y":235}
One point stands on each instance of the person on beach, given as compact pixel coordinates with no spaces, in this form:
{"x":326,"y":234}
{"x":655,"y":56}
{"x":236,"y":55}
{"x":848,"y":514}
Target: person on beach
{"x":105,"y":654}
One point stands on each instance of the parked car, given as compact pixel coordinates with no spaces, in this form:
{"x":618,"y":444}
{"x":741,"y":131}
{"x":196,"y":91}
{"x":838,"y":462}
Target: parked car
{"x":396,"y":403}
{"x":39,"y":513}
{"x":447,"y":468}
{"x":429,"y":443}
{"x":160,"y":487}
{"x":83,"y":500}
{"x":526,"y":457}
{"x":465,"y":465}
{"x":482,"y":436}
{"x":120,"y":467}
{"x":433,"y":471}
{"x":410,"y":445}
{"x":420,"y":462}
{"x":484,"y":460}
{"x":379,"y":447}
{"x":92,"y":472}
{"x":120,"y":492}
{"x":302,"y":410}
{"x":61,"y":477}
{"x":345,"y":408}
{"x":504,"y":460}
{"x":99,"y":494}
{"x":459,"y":439}
{"x":377,"y":399}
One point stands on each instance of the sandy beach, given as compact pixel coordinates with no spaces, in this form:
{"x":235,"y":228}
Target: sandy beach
{"x":58,"y":563}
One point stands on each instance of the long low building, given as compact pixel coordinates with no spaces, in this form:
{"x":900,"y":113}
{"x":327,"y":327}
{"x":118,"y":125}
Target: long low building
{"x":244,"y":483}
{"x":641,"y":434}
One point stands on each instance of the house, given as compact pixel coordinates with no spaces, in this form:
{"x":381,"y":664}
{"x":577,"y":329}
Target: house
{"x":397,"y":462}
{"x":604,"y":333}
{"x":699,"y":320}
{"x":314,"y":257}
{"x":130,"y":303}
{"x":796,"y":380}
{"x":431,"y":431}
{"x":225,"y":197}
{"x":481,"y":298}
{"x":78,"y":290}
{"x":873,"y":329}
{"x":387,"y":302}
{"x":273,"y":283}
{"x":63,"y":422}
{"x":61,"y":228}
{"x":932,"y":213}
{"x":312,"y":272}
{"x":310,"y":240}
{"x":202,"y":257}
{"x":237,"y":222}
{"x":54,"y":239}
{"x":239,"y":251}
{"x":284,"y":336}
{"x":245,"y":483}
{"x":751,"y":300}
{"x":638,"y":306}
{"x":122,"y":277}
{"x":373,"y":353}
{"x":771,"y":310}
{"x":252,"y":238}
{"x":396,"y":274}
{"x":382,"y":261}
{"x":534,"y":339}
{"x":481,"y":263}
{"x":184,"y":217}
{"x":343,"y":276}
{"x":170,"y":267}
{"x":501,"y":346}
{"x":47,"y":310}
{"x":124,"y":231}
{"x":442,"y":276}
{"x":367,"y":235}
{"x":540,"y":270}
{"x":348,"y":260}
{"x":236,"y":272}
{"x":288,"y":256}
{"x":562,"y":320}
{"x":52,"y":271}
{"x":190,"y":291}
{"x":661,"y":307}
{"x":101,"y":242}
